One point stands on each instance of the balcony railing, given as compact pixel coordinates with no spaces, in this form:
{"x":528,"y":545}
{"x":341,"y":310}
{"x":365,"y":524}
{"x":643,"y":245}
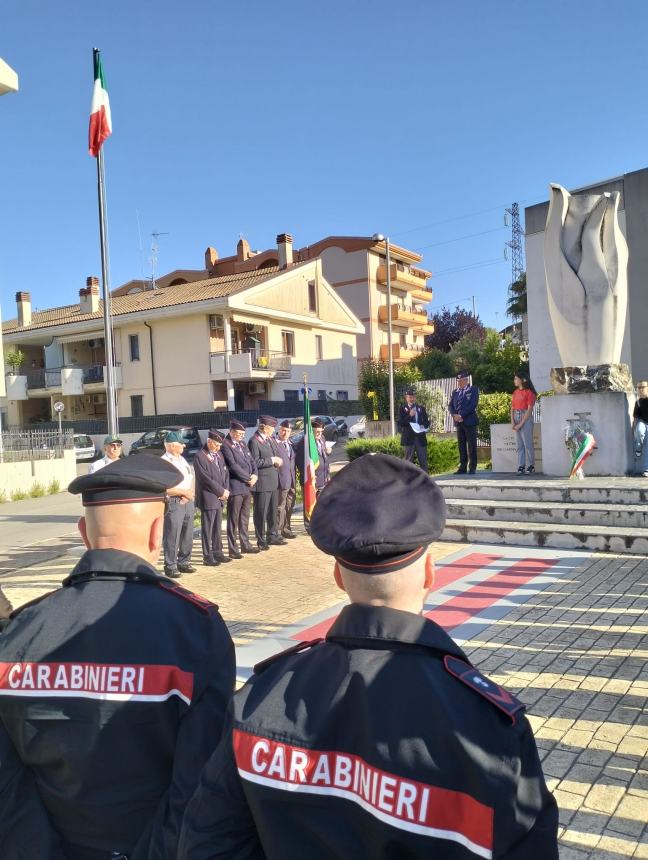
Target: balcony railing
{"x":404,"y":314}
{"x":248,"y":361}
{"x":402,"y":277}
{"x":50,"y":377}
{"x":400,"y":352}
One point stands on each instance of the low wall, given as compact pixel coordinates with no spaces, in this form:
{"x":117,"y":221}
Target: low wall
{"x":21,"y":477}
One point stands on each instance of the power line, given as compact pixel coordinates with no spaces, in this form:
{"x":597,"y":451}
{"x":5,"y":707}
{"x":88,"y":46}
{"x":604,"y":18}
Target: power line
{"x":460,"y":238}
{"x":477,"y":265}
{"x":450,"y":220}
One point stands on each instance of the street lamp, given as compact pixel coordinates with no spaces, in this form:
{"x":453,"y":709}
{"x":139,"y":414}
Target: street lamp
{"x":378,"y":237}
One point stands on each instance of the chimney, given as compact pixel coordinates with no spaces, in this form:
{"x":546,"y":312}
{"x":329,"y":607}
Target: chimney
{"x":285,"y":249}
{"x":23,"y":304}
{"x":211,"y":258}
{"x":243,"y":250}
{"x":89,"y":297}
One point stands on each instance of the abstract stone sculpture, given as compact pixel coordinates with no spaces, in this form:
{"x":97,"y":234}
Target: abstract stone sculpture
{"x":586,"y":261}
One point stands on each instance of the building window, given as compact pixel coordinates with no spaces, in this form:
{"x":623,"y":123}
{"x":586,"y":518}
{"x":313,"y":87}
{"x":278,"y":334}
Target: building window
{"x":133,"y":345}
{"x":403,"y":340}
{"x":291,"y":394}
{"x":319,"y":349}
{"x":321,"y":394}
{"x":137,"y":405}
{"x":312,"y":297}
{"x":288,"y":342}
{"x":341,"y":395}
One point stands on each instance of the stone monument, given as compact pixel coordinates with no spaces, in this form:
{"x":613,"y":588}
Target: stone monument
{"x":586,"y":263}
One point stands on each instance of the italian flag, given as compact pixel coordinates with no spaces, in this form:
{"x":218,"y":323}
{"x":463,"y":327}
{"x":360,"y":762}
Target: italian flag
{"x":586,"y":444}
{"x":311,"y":460}
{"x":100,"y":121}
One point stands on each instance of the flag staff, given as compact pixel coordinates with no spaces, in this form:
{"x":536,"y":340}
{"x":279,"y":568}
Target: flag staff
{"x":105,"y":265}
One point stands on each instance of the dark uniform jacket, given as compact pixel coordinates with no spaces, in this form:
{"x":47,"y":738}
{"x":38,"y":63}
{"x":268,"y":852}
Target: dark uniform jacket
{"x":113,"y":691}
{"x":263,"y":449}
{"x":240,"y":464}
{"x":322,"y":471}
{"x":381,"y":742}
{"x":212,"y":479}
{"x":287,"y":468}
{"x":465,"y":405}
{"x":404,"y":419}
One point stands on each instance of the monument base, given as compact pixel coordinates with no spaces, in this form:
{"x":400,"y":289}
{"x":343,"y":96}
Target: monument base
{"x":610,"y":416}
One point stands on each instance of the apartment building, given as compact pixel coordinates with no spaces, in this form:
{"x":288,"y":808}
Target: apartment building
{"x":200,"y":343}
{"x":356,"y":267}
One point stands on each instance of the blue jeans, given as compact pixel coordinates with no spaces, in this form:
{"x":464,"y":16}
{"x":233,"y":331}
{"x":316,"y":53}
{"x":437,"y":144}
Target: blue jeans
{"x":641,"y":446}
{"x":524,"y":439}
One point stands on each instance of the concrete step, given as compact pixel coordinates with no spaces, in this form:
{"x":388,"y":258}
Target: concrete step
{"x":618,"y":540}
{"x":487,"y":487}
{"x":555,"y":513}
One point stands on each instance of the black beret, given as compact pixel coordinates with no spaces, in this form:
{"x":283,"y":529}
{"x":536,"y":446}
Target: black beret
{"x":214,"y":434}
{"x":286,"y":423}
{"x":268,"y":420}
{"x":143,"y":478}
{"x":411,"y":390}
{"x":317,"y":422}
{"x":463,"y":374}
{"x":236,"y":425}
{"x":378,"y":514}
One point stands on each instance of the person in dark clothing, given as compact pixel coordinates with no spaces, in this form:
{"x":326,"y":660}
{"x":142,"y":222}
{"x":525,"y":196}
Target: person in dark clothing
{"x":414,"y":441}
{"x":212,"y":491}
{"x":243,"y":476}
{"x":113,"y":688}
{"x":463,"y":408}
{"x":640,"y":428}
{"x":287,"y":481}
{"x":268,"y":460}
{"x":382,"y":740}
{"x":322,"y":472}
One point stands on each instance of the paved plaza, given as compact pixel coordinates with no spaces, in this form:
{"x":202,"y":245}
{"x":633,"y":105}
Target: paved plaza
{"x":565,"y":631}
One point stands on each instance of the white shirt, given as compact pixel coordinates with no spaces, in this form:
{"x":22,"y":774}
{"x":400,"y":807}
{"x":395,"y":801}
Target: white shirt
{"x":182,"y":466}
{"x":99,"y":464}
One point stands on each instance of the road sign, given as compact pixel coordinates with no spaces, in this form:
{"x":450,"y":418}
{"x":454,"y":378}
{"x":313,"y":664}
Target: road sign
{"x":58,"y":406}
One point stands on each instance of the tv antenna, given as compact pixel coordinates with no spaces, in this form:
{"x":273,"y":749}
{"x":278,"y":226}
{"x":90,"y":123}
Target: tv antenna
{"x":155,"y":248}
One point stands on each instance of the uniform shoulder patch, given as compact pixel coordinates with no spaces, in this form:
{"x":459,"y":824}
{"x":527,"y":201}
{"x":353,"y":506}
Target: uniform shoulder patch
{"x":482,"y":685}
{"x":199,"y":602}
{"x":294,"y":649}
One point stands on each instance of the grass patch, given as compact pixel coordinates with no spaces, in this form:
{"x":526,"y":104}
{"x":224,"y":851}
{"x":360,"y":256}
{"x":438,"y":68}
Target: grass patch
{"x":54,"y":486}
{"x":18,"y":495}
{"x":38,"y":490}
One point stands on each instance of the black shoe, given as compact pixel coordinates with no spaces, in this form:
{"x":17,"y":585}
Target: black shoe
{"x":172,"y":574}
{"x":234,"y":554}
{"x":223,"y":559}
{"x":530,"y":470}
{"x":250,"y":550}
{"x":277,"y":541}
{"x":289,"y":535}
{"x":186,"y":568}
{"x":520,"y":470}
{"x":263,"y":547}
{"x":471,"y":471}
{"x":210,"y":562}
{"x":460,"y":472}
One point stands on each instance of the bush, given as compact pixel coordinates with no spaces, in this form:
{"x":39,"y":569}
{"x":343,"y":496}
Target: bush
{"x":492,"y":409}
{"x":37,"y":490}
{"x":54,"y":486}
{"x":434,"y":364}
{"x":374,"y":376}
{"x":18,"y":495}
{"x":443,"y":454}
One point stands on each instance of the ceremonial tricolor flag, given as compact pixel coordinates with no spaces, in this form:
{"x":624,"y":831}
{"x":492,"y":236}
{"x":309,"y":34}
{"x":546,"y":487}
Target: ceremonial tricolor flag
{"x":586,"y":444}
{"x":100,"y":121}
{"x":311,"y":460}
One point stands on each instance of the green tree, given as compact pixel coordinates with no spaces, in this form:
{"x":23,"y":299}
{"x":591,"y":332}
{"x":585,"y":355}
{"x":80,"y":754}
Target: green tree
{"x":492,"y":363}
{"x":434,"y":364}
{"x":517,"y":300}
{"x":451,"y":326}
{"x":374,"y":376}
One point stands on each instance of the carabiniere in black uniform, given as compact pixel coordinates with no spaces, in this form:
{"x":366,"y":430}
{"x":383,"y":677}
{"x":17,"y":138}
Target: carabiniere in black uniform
{"x":113,"y":691}
{"x":381,"y":741}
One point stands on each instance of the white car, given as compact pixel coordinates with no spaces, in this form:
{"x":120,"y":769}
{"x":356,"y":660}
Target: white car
{"x":357,"y":430}
{"x":84,"y":447}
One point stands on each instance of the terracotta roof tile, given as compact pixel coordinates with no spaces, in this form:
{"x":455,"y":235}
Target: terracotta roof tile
{"x":195,"y":291}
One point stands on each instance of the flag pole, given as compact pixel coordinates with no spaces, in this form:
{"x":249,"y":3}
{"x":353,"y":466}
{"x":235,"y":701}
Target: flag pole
{"x":105,"y":279}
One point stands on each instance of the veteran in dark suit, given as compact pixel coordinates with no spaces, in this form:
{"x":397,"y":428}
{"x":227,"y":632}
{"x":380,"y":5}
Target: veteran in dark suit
{"x":287,"y":480}
{"x":463,"y":408}
{"x":212,"y":491}
{"x":267,"y":458}
{"x":243,"y":476}
{"x":413,"y":442}
{"x":322,"y":472}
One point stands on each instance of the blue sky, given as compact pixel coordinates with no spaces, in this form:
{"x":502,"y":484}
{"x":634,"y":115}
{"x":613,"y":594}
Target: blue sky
{"x":419,"y":119}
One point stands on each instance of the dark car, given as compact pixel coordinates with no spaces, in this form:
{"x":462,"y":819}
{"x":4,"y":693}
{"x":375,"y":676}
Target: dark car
{"x":152,"y":442}
{"x":342,"y":426}
{"x":331,"y":430}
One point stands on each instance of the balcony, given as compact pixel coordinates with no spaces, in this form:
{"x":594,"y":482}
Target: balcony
{"x":404,"y":315}
{"x":402,"y":277}
{"x":251,"y":363}
{"x":400,"y":353}
{"x":56,"y":378}
{"x":422,"y":295}
{"x":428,"y":328}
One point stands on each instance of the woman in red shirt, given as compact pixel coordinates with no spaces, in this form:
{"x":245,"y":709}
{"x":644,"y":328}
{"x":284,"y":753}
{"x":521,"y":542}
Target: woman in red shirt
{"x":522,"y":403}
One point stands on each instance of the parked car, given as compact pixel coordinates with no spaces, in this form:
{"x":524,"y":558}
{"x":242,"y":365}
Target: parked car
{"x":331,"y":430}
{"x":152,"y":442}
{"x":84,"y":447}
{"x":357,"y":430}
{"x":342,"y":426}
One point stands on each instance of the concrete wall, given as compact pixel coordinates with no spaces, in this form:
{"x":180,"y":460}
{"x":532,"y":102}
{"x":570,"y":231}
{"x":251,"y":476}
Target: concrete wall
{"x":633,"y":220}
{"x":22,"y":476}
{"x":348,"y":274}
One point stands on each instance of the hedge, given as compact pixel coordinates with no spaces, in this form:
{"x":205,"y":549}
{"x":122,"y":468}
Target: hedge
{"x":492,"y":409}
{"x":443,"y":454}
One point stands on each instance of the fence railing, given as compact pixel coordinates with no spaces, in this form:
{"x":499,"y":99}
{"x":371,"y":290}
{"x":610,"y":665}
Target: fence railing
{"x":20,"y":445}
{"x":50,"y":377}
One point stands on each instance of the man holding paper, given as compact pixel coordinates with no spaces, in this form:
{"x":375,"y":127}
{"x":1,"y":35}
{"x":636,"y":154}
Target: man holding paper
{"x":413,"y":422}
